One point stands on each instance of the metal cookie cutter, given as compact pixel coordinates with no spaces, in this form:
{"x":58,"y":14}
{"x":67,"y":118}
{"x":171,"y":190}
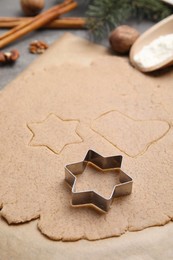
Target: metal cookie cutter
{"x":104,"y":164}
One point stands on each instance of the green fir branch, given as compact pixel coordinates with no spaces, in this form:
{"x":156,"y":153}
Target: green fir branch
{"x":104,"y":15}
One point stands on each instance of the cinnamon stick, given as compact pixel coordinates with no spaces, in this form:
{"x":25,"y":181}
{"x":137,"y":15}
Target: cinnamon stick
{"x":37,"y":22}
{"x":38,"y":18}
{"x":61,"y":23}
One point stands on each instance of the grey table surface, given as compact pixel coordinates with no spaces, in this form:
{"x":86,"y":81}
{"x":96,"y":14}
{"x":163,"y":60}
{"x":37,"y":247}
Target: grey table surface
{"x":12,"y":8}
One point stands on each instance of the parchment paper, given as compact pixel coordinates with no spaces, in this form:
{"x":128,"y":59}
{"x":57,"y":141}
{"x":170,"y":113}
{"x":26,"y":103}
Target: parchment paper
{"x":103,"y":104}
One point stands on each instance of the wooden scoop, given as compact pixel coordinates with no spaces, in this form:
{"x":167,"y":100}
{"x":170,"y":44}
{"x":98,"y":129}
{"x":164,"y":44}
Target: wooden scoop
{"x":170,"y":2}
{"x":162,"y":28}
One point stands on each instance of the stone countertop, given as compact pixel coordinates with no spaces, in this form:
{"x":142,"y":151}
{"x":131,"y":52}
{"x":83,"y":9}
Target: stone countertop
{"x":12,"y":8}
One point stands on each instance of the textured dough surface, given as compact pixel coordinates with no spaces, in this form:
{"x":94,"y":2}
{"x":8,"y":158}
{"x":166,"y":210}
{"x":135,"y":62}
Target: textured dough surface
{"x":80,"y":94}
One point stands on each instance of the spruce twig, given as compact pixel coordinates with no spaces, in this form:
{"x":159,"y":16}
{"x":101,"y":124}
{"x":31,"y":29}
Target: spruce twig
{"x":104,"y":15}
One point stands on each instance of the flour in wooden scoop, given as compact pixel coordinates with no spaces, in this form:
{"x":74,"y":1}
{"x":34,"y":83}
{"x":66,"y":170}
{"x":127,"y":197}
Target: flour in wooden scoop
{"x":156,"y":52}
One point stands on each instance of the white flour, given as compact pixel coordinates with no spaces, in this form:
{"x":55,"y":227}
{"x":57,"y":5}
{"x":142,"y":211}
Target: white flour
{"x":155,"y":52}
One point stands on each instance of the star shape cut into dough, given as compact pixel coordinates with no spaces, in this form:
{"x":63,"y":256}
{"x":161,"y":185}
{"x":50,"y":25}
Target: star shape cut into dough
{"x":54,"y":133}
{"x":124,"y":187}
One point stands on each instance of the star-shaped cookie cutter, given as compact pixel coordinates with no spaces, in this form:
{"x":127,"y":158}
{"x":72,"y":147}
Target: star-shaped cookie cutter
{"x":104,"y":164}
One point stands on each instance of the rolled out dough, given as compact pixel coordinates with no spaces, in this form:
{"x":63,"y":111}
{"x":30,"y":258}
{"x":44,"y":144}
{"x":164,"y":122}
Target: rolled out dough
{"x":103,"y":104}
